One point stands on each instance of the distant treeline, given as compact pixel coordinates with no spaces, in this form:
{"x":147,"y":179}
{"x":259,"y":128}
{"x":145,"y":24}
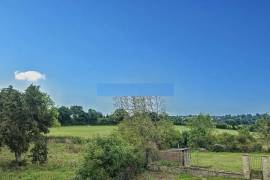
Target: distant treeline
{"x":224,"y":122}
{"x":75,"y":115}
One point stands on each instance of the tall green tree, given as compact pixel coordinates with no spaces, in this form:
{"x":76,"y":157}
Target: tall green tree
{"x":263,"y":127}
{"x":39,"y":109}
{"x":55,"y":115}
{"x":201,"y":128}
{"x":24,"y":117}
{"x":119,"y":115}
{"x":13,"y":122}
{"x":78,"y":115}
{"x":93,"y":116}
{"x":65,"y":116}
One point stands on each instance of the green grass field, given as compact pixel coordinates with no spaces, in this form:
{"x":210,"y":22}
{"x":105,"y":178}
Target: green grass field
{"x":154,"y":176}
{"x":226,"y":161}
{"x":82,"y":131}
{"x":64,"y":158}
{"x":90,"y":131}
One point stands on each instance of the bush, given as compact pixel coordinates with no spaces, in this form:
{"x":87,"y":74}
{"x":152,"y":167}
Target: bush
{"x":184,"y":139}
{"x":243,"y":142}
{"x":109,"y":158}
{"x":222,"y":126}
{"x":201,"y":128}
{"x":218,"y":148}
{"x":168,"y":136}
{"x":40,"y":151}
{"x":139,"y":131}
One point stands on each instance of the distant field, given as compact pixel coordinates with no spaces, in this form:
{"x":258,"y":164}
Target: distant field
{"x":182,"y":128}
{"x":90,"y":131}
{"x":82,"y":131}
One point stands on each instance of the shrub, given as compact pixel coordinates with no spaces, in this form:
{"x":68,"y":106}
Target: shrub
{"x":184,"y":139}
{"x":168,"y":136}
{"x":139,"y":131}
{"x":201,"y":128}
{"x":40,"y":151}
{"x":222,"y":126}
{"x":218,"y":148}
{"x":109,"y":158}
{"x":143,"y":133}
{"x":243,"y":142}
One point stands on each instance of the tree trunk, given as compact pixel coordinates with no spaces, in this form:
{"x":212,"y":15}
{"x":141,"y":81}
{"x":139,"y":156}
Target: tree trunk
{"x":18,"y":157}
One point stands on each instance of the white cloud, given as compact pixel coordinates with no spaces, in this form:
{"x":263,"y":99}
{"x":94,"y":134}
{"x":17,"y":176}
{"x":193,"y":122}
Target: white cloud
{"x":29,"y":76}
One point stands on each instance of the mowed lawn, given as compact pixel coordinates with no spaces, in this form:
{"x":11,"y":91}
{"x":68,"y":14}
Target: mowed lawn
{"x":90,"y":131}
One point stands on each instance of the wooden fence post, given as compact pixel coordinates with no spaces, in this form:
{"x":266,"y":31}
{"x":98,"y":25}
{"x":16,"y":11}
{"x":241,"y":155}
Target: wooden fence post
{"x":265,"y":167}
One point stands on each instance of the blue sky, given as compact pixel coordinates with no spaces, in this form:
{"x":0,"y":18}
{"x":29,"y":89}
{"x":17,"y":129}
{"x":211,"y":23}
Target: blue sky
{"x":216,"y":53}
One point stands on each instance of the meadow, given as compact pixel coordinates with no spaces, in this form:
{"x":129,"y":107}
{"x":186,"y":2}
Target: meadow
{"x":64,"y":158}
{"x":82,"y":131}
{"x":90,"y":131}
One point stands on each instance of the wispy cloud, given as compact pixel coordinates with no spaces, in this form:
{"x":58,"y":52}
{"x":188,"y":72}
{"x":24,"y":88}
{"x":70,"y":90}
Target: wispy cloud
{"x":31,"y":76}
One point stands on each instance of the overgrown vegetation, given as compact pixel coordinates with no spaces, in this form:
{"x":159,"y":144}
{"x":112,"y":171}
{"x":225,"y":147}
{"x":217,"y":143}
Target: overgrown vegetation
{"x":128,"y":150}
{"x":110,"y":157}
{"x":202,"y":135}
{"x":24,"y":118}
{"x":75,"y":115}
{"x":233,"y":122}
{"x":263,"y":127}
{"x":201,"y":129}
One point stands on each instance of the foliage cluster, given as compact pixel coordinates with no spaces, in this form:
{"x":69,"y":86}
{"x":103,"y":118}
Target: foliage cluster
{"x":129,"y":149}
{"x":24,"y":118}
{"x":202,"y":135}
{"x":75,"y":115}
{"x":109,"y":158}
{"x":224,"y":122}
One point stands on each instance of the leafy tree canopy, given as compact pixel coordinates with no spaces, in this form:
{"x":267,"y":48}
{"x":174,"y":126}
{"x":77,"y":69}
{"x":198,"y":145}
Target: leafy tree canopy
{"x":24,"y":116}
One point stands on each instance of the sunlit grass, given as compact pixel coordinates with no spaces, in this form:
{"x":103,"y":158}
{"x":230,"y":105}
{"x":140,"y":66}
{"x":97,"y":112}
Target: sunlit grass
{"x":82,"y":131}
{"x":63,"y":160}
{"x":90,"y":131}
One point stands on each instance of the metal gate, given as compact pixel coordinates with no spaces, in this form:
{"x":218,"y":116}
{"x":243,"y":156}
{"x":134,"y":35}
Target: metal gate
{"x":256,"y":167}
